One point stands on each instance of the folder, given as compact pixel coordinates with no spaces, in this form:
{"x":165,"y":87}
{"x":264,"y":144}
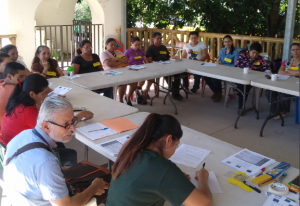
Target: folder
{"x":119,"y":124}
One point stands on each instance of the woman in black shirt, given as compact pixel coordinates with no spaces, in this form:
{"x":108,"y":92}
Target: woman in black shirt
{"x":86,"y":62}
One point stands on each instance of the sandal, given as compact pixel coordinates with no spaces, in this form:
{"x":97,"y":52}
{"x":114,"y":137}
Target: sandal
{"x":140,"y":97}
{"x":146,"y":95}
{"x":278,"y":116}
{"x":186,"y":90}
{"x":231,"y":96}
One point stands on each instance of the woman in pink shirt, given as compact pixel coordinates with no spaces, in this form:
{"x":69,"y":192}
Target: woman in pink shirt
{"x":137,"y":56}
{"x":112,"y":59}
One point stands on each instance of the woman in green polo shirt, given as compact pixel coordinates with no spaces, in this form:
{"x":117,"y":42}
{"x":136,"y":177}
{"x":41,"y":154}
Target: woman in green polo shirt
{"x":143,"y":175}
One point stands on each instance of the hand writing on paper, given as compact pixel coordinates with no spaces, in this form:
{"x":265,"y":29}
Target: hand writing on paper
{"x":202,"y":175}
{"x":100,"y":186}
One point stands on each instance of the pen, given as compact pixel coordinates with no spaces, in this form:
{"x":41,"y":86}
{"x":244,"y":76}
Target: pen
{"x":246,"y":183}
{"x":202,"y":63}
{"x":98,"y":129}
{"x":203,"y":165}
{"x":259,"y":173}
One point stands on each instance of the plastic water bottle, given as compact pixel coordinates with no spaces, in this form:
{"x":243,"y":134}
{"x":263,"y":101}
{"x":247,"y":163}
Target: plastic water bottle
{"x":70,"y":71}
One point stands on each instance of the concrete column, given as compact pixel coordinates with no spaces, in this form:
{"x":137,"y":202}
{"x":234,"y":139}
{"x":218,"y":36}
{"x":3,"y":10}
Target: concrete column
{"x":289,"y":28}
{"x":123,"y":24}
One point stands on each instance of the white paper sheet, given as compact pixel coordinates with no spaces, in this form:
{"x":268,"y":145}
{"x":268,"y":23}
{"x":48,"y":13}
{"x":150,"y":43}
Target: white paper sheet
{"x":208,"y":64}
{"x":72,"y":77}
{"x":189,"y":156}
{"x":283,"y":77}
{"x":114,"y":146}
{"x":50,"y":84}
{"x":136,"y":67}
{"x":162,"y":62}
{"x":110,"y":73}
{"x":60,"y":90}
{"x":96,"y":131}
{"x":213,"y":182}
{"x":276,"y":201}
{"x":248,"y":161}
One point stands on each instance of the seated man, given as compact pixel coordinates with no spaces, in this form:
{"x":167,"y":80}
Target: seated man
{"x":159,"y":52}
{"x":12,"y":73}
{"x":36,"y":173}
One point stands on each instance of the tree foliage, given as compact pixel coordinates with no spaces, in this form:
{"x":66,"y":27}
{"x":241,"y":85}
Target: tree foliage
{"x":246,"y":17}
{"x":82,"y":11}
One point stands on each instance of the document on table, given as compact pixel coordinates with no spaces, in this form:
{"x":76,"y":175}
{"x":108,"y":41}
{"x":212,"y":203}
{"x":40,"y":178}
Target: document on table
{"x":60,"y":90}
{"x":283,"y":77}
{"x":162,"y":62}
{"x":50,"y":84}
{"x":96,"y":131}
{"x":72,"y":77}
{"x":137,"y":67}
{"x":189,"y":156}
{"x":114,"y":146}
{"x":279,"y":201}
{"x":110,"y":73}
{"x":248,"y":161}
{"x":208,"y":64}
{"x":213,"y":182}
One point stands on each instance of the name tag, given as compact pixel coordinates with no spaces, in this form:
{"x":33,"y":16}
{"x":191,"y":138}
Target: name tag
{"x":294,"y":68}
{"x":227,"y":60}
{"x":196,"y":52}
{"x":51,"y":74}
{"x":96,"y":64}
{"x":119,"y":56}
{"x":138,"y":57}
{"x":162,"y":52}
{"x":256,"y":63}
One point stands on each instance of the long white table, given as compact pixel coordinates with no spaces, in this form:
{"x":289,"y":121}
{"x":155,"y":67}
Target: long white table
{"x":288,"y":86}
{"x":232,"y":195}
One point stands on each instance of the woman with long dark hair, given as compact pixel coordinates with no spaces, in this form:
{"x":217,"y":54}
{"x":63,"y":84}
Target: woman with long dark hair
{"x":43,"y":64}
{"x":112,"y":59}
{"x":86,"y":62}
{"x":143,"y":175}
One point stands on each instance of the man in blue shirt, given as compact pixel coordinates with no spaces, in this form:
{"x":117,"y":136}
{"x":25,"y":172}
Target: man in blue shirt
{"x":36,"y":173}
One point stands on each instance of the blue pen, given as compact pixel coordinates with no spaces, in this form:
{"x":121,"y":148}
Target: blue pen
{"x":98,"y":129}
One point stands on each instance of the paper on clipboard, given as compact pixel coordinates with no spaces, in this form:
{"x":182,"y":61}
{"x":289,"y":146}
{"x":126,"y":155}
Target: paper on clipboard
{"x":96,"y":131}
{"x":119,"y":124}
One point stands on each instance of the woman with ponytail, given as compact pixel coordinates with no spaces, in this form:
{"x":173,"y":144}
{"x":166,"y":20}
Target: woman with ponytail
{"x":45,"y":66}
{"x":143,"y":175}
{"x":86,"y":62}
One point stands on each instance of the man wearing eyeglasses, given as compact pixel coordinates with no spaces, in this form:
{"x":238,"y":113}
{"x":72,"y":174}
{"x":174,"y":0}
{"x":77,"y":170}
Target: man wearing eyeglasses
{"x":36,"y":173}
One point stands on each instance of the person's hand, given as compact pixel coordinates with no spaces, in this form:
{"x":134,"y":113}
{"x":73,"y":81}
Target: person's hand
{"x":220,"y":63}
{"x":187,"y":175}
{"x":100,"y":186}
{"x":45,"y":65}
{"x":293,"y":72}
{"x":202,"y":175}
{"x":85,"y":114}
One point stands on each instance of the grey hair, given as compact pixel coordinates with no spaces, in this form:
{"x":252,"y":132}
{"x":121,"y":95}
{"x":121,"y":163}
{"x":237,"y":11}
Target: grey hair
{"x":51,"y":107}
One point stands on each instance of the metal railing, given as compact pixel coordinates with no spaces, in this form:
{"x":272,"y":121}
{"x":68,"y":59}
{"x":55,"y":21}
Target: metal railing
{"x":64,"y":40}
{"x":12,"y":38}
{"x":272,"y":46}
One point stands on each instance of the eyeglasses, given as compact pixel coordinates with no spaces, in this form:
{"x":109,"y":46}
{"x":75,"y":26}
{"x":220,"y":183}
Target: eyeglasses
{"x":88,"y":47}
{"x":68,"y":126}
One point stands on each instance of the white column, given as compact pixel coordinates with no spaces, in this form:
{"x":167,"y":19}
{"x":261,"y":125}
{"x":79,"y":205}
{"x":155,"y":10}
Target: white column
{"x":123,"y":24}
{"x":289,"y":29}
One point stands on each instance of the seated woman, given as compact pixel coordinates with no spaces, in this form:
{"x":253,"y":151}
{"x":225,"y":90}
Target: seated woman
{"x":86,"y":62}
{"x":12,"y":51}
{"x":42,"y":64}
{"x":144,"y":175}
{"x":112,"y":59}
{"x":137,"y":56}
{"x":227,"y":57}
{"x":253,"y":61}
{"x":195,"y":50}
{"x":288,"y":67}
{"x":4,"y":59}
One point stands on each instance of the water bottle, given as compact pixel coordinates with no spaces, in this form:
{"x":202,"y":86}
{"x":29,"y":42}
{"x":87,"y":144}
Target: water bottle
{"x":70,"y":71}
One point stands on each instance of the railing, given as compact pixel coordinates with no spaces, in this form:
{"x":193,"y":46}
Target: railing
{"x":63,"y":40}
{"x":12,"y":38}
{"x":272,"y":46}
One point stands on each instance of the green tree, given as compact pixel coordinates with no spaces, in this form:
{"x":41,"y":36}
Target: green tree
{"x":255,"y":17}
{"x":82,"y":11}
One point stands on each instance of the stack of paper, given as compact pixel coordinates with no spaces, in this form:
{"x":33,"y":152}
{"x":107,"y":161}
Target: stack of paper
{"x":110,"y":73}
{"x":283,"y":77}
{"x":119,"y":124}
{"x":189,"y":156}
{"x":72,"y":77}
{"x":248,"y":161}
{"x":96,"y":131}
{"x":60,"y":90}
{"x":213,"y":182}
{"x":137,"y":67}
{"x":279,"y":201}
{"x":208,"y":64}
{"x":114,"y":146}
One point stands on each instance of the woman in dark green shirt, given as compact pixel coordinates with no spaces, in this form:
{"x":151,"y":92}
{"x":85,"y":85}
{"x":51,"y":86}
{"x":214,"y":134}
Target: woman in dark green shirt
{"x":143,"y":175}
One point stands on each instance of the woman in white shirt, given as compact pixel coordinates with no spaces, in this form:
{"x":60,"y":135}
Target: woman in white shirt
{"x":195,"y":50}
{"x":12,"y":51}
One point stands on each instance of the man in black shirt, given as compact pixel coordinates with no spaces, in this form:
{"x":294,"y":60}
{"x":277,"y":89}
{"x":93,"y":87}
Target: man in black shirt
{"x":159,"y":52}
